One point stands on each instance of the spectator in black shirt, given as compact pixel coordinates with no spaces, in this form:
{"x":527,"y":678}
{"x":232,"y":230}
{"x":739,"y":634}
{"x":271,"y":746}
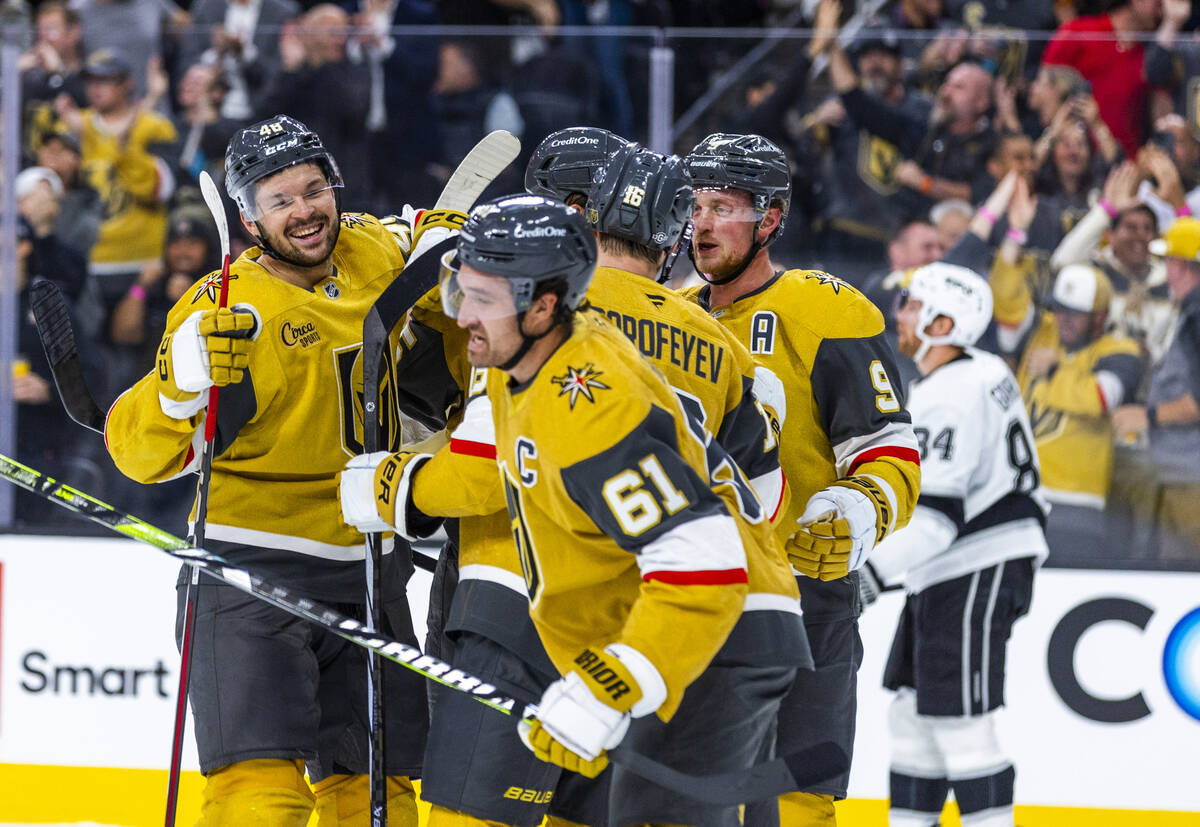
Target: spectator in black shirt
{"x":946,"y":151}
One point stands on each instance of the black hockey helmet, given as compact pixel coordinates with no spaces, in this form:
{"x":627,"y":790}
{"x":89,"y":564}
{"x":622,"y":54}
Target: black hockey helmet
{"x":265,"y":148}
{"x":744,"y":162}
{"x":643,"y":197}
{"x":526,"y":239}
{"x":565,"y":162}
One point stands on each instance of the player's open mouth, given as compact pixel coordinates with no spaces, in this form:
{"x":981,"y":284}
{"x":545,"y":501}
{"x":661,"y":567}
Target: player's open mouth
{"x":476,"y":342}
{"x":706,"y":247}
{"x":308,"y":234}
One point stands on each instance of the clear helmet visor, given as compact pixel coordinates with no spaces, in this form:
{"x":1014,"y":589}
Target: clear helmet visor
{"x":471,"y":296}
{"x":722,"y":205}
{"x":270,"y":195}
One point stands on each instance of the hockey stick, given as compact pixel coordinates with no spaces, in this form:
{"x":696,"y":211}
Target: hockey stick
{"x":58,"y":340}
{"x":480,"y":166}
{"x":769,"y":780}
{"x":212,"y":198}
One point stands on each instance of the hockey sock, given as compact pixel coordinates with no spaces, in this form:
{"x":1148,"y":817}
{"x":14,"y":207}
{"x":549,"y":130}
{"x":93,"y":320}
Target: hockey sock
{"x":344,"y":801}
{"x":264,"y":792}
{"x":986,"y":800}
{"x":806,"y":810}
{"x":916,"y":802}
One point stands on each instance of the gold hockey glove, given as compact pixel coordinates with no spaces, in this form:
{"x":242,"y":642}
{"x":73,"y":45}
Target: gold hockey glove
{"x":211,"y":347}
{"x":836,"y":532}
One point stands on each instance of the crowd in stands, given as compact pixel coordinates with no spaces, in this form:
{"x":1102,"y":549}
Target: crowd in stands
{"x":1051,"y":145}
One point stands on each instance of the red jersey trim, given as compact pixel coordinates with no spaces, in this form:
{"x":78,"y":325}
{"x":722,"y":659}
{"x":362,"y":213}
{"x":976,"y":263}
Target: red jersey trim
{"x":903,"y":454}
{"x":719,"y":577}
{"x":482,"y":450}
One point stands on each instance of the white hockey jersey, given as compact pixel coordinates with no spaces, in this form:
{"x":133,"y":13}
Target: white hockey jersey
{"x":981,"y":500}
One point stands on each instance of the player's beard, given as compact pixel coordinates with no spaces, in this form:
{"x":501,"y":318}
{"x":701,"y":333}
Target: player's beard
{"x":907,"y":342}
{"x":293,"y":252}
{"x":719,"y":262}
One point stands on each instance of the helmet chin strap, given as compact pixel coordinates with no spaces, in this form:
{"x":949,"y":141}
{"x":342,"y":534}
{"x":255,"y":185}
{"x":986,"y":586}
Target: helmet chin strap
{"x":527,"y":342}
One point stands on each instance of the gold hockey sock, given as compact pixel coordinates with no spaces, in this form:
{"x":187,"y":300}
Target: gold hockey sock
{"x":806,"y":810}
{"x":443,"y":817}
{"x":345,"y":801}
{"x":264,"y":792}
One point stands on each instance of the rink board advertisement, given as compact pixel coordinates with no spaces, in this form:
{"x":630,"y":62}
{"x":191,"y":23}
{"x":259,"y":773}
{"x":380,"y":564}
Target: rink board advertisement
{"x":1103,"y":691}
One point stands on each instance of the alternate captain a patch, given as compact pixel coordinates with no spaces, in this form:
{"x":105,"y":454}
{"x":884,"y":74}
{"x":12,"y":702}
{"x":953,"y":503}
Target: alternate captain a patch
{"x":580,"y":381}
{"x":211,"y":287}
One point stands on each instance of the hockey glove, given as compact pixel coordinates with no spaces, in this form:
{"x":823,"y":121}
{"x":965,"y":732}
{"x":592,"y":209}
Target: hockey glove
{"x":836,"y":532}
{"x":374,"y":491}
{"x":211,"y":347}
{"x":587,"y":711}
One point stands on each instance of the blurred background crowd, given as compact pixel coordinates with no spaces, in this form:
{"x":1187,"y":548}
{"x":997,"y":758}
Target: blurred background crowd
{"x":1051,"y":145}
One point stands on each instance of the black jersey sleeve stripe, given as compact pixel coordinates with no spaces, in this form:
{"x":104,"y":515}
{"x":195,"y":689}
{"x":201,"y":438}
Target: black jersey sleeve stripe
{"x":743,"y":434}
{"x":851,"y":396}
{"x":235,"y":408}
{"x":602,"y":484}
{"x":1007,"y":509}
{"x":1127,"y":368}
{"x":952,"y":507}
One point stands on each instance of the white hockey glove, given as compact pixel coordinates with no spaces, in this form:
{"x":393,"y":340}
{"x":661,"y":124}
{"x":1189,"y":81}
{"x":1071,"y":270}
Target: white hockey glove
{"x":211,"y":347}
{"x":836,"y":533}
{"x":587,"y":711}
{"x":374,"y":491}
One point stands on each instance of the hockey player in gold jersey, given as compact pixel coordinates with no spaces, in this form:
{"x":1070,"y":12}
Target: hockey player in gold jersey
{"x":268,"y":691}
{"x":847,"y":446}
{"x":571,"y":526}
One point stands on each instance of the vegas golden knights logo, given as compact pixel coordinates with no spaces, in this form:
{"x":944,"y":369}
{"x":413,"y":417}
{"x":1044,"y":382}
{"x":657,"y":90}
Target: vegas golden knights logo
{"x":877,"y":162}
{"x":348,"y":362}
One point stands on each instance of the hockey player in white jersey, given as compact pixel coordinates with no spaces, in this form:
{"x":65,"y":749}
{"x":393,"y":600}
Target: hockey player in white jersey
{"x":966,"y":559}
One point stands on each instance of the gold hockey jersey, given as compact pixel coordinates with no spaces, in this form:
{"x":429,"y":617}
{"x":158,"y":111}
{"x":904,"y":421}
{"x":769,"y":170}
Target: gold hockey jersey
{"x":621,"y":533}
{"x":1069,"y":410}
{"x":845,"y":418}
{"x":133,"y":183}
{"x":286,"y":431}
{"x":715,"y":390}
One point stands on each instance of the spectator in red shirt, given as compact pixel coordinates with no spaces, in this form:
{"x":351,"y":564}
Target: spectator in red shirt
{"x":1105,"y":51}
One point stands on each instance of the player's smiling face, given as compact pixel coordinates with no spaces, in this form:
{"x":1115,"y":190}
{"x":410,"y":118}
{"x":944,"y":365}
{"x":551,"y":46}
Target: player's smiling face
{"x":489,"y":314}
{"x":724,"y":230}
{"x":298,"y":214}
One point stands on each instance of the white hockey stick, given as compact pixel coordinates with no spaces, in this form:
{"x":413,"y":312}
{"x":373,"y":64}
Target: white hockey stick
{"x":482,"y":164}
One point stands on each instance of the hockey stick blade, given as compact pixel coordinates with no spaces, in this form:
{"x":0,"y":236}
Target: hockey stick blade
{"x":768,"y":780}
{"x":53,"y":322}
{"x":482,"y":164}
{"x":764,"y":781}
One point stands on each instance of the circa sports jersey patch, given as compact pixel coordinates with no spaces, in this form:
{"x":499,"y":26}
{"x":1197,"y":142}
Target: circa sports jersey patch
{"x":578,"y":381}
{"x":827,"y":278}
{"x":299,"y":333}
{"x":211,"y":287}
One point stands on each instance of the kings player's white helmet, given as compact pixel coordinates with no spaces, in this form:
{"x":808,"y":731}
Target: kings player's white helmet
{"x":953,"y":291}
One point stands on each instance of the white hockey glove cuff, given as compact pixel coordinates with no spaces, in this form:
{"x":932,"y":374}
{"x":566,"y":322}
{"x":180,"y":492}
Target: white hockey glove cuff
{"x":578,"y":720}
{"x":835,"y":533}
{"x":356,"y":489}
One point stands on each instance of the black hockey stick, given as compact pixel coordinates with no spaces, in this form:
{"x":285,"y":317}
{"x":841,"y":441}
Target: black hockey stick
{"x":480,"y":166}
{"x":58,"y":340}
{"x":769,"y":780}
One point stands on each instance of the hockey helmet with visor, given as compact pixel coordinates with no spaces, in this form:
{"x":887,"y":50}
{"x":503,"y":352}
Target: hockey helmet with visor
{"x":265,"y":148}
{"x":526,"y":240}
